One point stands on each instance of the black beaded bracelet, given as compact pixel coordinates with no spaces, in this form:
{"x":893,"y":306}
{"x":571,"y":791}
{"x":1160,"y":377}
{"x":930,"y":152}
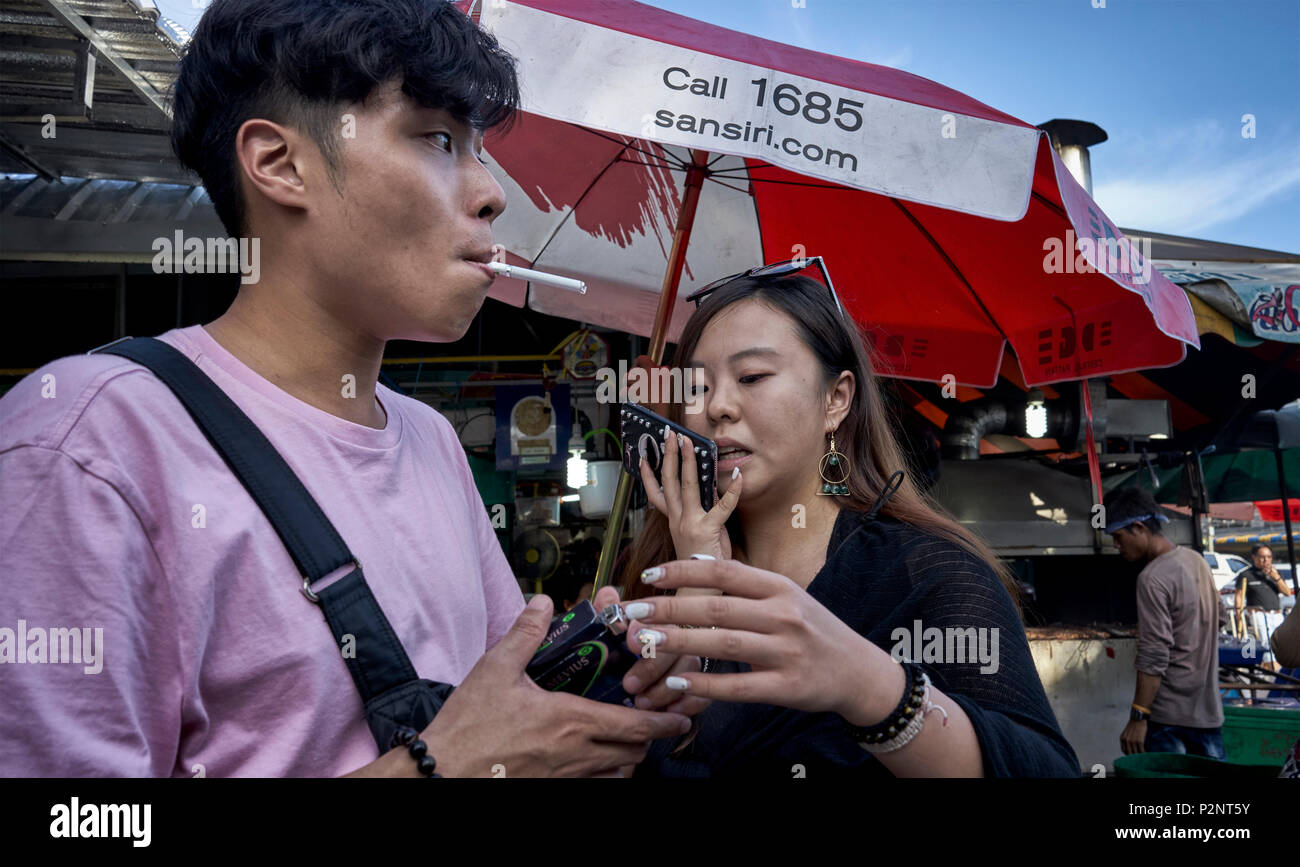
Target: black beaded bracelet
{"x":902,"y":714}
{"x":419,"y":751}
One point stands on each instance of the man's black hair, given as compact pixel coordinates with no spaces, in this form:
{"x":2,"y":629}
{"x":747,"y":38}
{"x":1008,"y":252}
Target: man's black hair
{"x":1260,"y":546}
{"x":1124,"y":503}
{"x":296,"y":61}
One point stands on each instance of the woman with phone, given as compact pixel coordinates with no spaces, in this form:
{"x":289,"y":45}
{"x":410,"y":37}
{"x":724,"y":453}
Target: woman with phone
{"x":822,"y":571}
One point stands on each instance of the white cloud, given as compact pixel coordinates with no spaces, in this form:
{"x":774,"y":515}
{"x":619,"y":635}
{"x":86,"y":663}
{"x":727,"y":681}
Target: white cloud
{"x":797,"y":16}
{"x":1190,"y":180}
{"x":898,"y":60}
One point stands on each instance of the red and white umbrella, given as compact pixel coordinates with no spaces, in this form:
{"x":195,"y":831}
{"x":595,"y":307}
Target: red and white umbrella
{"x":948,"y":227}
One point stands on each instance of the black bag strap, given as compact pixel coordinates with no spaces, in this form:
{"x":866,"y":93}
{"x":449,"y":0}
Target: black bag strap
{"x":379,"y":662}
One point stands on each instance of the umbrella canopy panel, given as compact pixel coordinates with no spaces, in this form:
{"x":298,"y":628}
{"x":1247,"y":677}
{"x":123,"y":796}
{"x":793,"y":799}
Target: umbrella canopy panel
{"x":940,"y":292}
{"x":952,"y":226}
{"x":602,"y":208}
{"x":1240,"y":477}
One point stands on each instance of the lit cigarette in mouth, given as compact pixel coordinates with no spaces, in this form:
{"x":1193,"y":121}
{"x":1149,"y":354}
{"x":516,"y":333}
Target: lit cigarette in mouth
{"x":538,"y":276}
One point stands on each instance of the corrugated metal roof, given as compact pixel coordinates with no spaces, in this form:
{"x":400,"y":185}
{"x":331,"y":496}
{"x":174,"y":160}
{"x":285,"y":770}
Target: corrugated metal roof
{"x":102,"y":71}
{"x":98,"y":219}
{"x":99,"y":201}
{"x":102,"y":220}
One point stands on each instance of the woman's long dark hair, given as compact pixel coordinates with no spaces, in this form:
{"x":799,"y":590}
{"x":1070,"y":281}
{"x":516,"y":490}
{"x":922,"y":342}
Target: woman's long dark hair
{"x":866,"y":435}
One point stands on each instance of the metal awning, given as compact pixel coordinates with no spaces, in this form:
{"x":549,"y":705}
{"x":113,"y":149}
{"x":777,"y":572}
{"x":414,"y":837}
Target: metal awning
{"x":98,"y":219}
{"x":1243,"y":294}
{"x":84,"y":89}
{"x":1179,"y":248}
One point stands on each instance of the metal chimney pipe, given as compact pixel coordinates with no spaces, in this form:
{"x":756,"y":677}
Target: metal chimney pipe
{"x":1071,"y":139}
{"x":969,"y":423}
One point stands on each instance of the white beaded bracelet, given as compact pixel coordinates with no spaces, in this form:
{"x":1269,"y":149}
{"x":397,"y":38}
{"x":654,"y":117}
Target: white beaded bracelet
{"x":913,"y":728}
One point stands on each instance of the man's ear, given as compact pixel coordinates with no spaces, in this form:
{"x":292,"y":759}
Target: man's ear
{"x":272,"y":162}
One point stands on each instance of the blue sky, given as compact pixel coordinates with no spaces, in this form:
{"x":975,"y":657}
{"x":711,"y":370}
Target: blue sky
{"x":1169,"y":81}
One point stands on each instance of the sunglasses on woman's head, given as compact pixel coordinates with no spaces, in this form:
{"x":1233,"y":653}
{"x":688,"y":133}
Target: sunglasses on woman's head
{"x":777,"y":269}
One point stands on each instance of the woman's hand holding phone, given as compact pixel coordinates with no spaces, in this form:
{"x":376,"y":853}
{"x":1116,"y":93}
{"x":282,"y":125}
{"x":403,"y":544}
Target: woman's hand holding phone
{"x":693,"y":530}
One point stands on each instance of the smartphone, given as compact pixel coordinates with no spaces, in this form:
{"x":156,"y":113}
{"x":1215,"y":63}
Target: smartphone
{"x":643,"y":436}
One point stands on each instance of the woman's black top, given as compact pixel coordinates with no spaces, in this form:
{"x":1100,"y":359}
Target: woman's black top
{"x":879,"y":575}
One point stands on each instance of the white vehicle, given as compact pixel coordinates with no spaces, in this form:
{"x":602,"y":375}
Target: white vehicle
{"x":1225,"y":566}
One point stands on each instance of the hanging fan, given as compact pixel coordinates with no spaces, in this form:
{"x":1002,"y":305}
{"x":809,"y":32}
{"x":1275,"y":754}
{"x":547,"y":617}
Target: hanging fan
{"x":536,"y":554}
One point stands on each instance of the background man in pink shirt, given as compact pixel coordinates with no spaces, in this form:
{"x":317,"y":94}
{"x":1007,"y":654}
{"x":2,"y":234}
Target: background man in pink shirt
{"x":120,"y":523}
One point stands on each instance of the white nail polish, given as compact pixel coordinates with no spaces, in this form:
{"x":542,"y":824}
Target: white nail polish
{"x":677,"y":683}
{"x":651,"y":635}
{"x":651,"y":575}
{"x":703,"y":557}
{"x":735,"y":473}
{"x":638,"y":610}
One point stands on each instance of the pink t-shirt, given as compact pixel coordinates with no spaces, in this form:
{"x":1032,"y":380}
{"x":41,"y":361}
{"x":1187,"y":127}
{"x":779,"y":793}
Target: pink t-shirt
{"x":127,"y":542}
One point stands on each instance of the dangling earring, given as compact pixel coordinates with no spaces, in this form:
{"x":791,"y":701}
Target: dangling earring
{"x":835,"y":463}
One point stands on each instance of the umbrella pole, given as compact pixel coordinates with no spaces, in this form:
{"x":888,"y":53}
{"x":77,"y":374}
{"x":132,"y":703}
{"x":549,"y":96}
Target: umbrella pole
{"x":658,"y":339}
{"x":1286,"y":518}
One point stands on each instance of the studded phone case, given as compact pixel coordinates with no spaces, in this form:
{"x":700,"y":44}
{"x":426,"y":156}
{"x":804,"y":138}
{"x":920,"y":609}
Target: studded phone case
{"x":643,"y":434}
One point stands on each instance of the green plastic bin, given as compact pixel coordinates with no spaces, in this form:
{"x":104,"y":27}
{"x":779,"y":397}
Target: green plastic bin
{"x":1179,"y":766}
{"x":1254,"y":735}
